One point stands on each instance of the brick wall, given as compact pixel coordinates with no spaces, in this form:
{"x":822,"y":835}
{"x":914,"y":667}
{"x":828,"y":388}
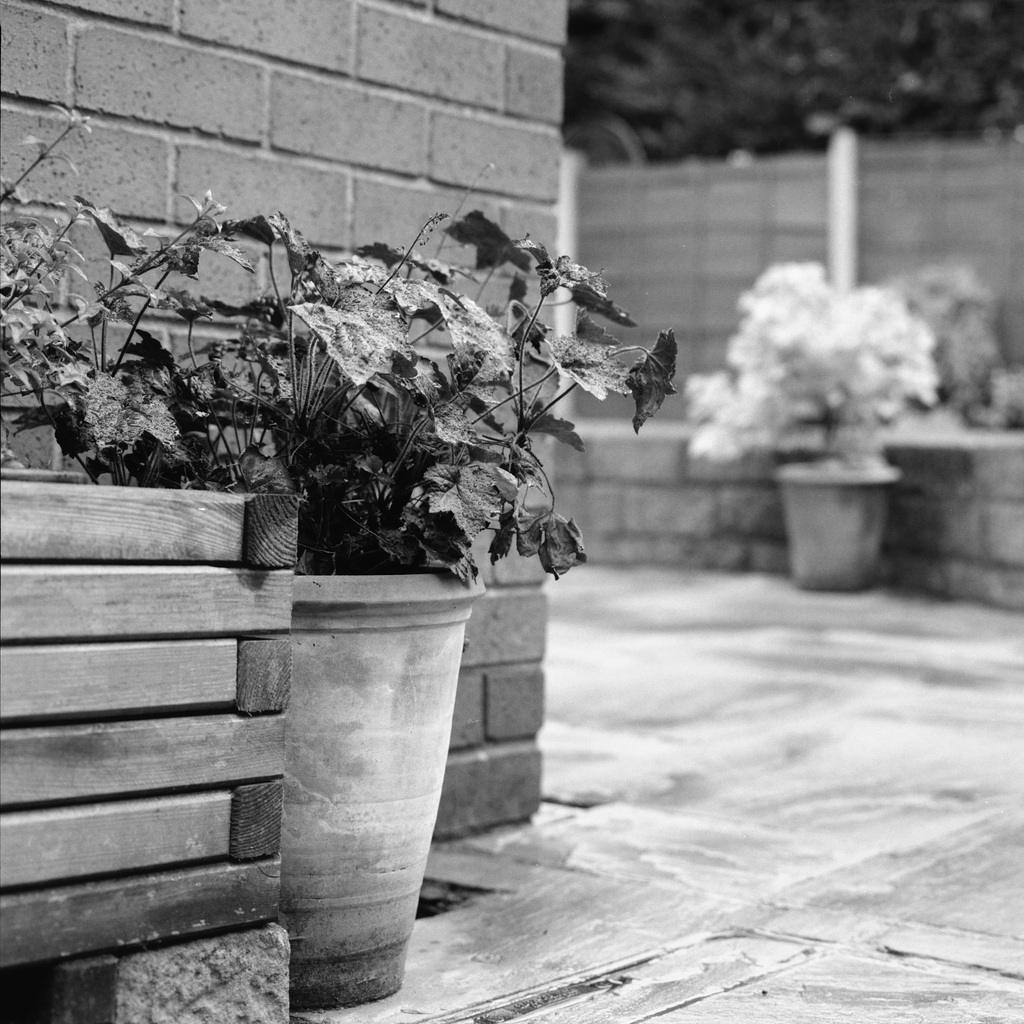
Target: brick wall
{"x":494,"y":765}
{"x":358,"y":119}
{"x":956,"y":524}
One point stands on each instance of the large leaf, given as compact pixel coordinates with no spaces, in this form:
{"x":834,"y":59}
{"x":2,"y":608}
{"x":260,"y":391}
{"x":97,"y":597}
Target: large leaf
{"x":257,"y":227}
{"x":117,"y":413}
{"x":473,"y":331}
{"x":589,"y":365}
{"x":650,"y":380}
{"x":120,"y":239}
{"x":493,"y":246}
{"x":217,"y":244}
{"x":361,"y":335}
{"x":472,"y":493}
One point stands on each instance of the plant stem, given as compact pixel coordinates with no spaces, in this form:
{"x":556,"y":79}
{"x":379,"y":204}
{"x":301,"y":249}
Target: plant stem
{"x":554,"y":401}
{"x":137,"y":321}
{"x":513,"y":397}
{"x":11,"y":189}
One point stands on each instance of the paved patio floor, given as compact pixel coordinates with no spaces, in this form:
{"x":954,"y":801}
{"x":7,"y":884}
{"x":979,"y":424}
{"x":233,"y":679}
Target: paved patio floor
{"x":763,"y":805}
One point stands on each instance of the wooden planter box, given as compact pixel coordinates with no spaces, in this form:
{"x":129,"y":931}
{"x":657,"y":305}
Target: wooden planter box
{"x":145,"y":666}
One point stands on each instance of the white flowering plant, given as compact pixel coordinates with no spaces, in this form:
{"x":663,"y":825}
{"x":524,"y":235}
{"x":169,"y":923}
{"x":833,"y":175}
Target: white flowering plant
{"x":810,"y":357}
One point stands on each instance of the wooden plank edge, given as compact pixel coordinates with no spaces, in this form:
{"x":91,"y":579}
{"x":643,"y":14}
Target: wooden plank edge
{"x":120,"y":914}
{"x":271,"y":537}
{"x":256,"y":811}
{"x":264,"y":674}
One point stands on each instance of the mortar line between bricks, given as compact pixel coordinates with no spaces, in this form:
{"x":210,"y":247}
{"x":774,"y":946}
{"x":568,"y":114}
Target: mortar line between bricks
{"x":71,"y":36}
{"x":427,"y":186}
{"x":429,"y":15}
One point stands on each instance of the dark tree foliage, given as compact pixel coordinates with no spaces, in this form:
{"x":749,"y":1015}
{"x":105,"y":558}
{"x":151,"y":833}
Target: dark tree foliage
{"x":706,"y":77}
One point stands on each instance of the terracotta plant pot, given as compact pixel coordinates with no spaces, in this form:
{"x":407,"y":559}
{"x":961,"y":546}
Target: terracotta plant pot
{"x":835,"y":517}
{"x":374,"y":671}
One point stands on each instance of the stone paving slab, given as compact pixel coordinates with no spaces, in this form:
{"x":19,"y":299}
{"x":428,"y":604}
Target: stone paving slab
{"x":764,"y":805}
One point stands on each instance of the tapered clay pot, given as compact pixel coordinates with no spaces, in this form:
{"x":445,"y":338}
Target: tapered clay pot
{"x":835,"y":517}
{"x":375,"y":663}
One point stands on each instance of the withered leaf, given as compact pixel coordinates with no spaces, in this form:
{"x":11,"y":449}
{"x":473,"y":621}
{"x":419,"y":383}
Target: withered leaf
{"x":650,"y":380}
{"x":555,"y":539}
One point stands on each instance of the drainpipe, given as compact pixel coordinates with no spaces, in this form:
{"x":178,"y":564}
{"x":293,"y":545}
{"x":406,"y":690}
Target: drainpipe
{"x":842,"y":208}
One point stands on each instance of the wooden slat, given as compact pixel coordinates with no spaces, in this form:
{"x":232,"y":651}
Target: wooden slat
{"x":102,"y":680}
{"x":54,"y":602}
{"x":271,"y":531}
{"x":119,"y":524}
{"x":72,"y":842}
{"x":79,"y":762}
{"x":51,"y":924}
{"x":264,"y":674}
{"x":256,"y":820}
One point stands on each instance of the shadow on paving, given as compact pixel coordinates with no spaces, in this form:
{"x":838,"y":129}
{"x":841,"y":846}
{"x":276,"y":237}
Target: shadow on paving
{"x":764,"y":805}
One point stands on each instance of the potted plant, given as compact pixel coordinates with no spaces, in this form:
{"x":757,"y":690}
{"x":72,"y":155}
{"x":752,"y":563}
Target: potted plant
{"x":404,"y":414}
{"x":814,"y":373}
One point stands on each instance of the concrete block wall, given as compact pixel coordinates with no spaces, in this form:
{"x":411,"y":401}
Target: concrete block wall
{"x":494,"y":764}
{"x":956,"y":524}
{"x":357,"y":118}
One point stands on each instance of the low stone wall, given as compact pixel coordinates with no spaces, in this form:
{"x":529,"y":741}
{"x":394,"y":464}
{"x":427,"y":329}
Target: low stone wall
{"x":494,"y":765}
{"x":956,"y":523}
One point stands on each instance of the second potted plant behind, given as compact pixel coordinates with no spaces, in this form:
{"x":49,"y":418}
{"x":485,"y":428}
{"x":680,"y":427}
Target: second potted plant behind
{"x":814,"y":374}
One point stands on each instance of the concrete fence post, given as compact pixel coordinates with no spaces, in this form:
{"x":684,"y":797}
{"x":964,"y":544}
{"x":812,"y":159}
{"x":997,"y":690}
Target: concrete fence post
{"x":842,"y":208}
{"x":567,"y":242}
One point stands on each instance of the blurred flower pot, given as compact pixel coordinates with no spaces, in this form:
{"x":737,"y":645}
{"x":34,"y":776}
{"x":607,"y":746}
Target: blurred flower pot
{"x":835,"y":518}
{"x":375,"y":667}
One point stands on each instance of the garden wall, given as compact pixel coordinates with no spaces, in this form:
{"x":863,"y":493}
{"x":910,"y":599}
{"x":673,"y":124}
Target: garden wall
{"x":956,"y":523}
